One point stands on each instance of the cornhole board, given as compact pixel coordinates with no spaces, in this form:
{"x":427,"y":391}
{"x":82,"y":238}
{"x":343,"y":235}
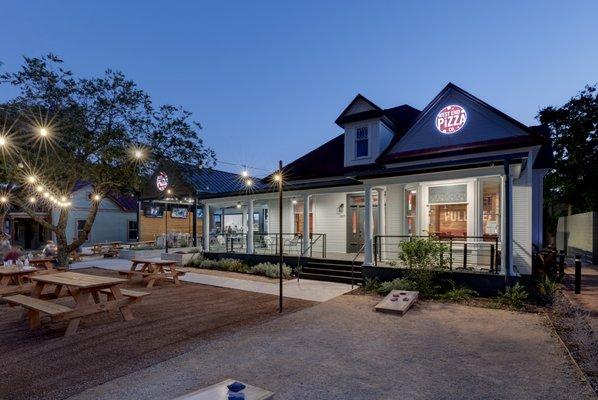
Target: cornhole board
{"x":404,"y":300}
{"x":219,"y":391}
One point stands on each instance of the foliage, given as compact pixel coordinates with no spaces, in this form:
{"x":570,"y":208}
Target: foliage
{"x":424,"y":257}
{"x":574,"y":133}
{"x":233,"y":265}
{"x":209,"y":264}
{"x":92,"y":126}
{"x":271,"y":270}
{"x":371,"y":285}
{"x":458,"y":293}
{"x":547,"y":290}
{"x":397,"y":284}
{"x":513,"y":297}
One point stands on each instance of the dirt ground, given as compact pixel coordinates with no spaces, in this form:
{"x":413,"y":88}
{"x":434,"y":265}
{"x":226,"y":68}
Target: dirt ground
{"x":172,"y":320}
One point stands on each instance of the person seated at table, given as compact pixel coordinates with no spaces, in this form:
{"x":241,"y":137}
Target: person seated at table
{"x":50,"y":249}
{"x":5,"y":246}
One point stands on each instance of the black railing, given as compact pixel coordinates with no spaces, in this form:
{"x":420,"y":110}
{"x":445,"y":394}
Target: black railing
{"x":474,"y":253}
{"x":267,"y":243}
{"x":314,"y":239}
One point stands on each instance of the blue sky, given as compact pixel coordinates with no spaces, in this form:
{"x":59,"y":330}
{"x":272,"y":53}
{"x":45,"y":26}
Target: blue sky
{"x":267,"y":79}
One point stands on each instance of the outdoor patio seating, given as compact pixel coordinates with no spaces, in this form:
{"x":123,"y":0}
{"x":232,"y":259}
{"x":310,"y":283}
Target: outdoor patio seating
{"x":153,"y":270}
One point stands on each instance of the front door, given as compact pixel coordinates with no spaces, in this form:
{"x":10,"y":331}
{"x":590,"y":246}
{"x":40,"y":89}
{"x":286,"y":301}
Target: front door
{"x":356,"y":220}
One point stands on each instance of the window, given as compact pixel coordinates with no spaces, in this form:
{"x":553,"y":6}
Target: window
{"x":79,"y":227}
{"x":448,"y":210}
{"x":132,"y":230}
{"x":491,"y":207}
{"x":411,"y":210}
{"x":299,"y":217}
{"x":361,"y":142}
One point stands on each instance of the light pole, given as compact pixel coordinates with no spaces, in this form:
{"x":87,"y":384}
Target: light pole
{"x":281,"y":259}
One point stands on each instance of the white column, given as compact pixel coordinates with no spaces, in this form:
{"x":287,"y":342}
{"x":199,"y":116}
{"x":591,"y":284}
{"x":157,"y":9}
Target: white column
{"x":250,"y":228}
{"x":506,"y":228}
{"x":206,"y":228}
{"x":369,"y":213}
{"x":381,"y":217}
{"x":306,"y":232}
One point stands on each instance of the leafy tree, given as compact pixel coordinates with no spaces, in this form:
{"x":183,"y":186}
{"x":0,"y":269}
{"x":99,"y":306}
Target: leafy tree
{"x":573,"y":181}
{"x":60,"y":130}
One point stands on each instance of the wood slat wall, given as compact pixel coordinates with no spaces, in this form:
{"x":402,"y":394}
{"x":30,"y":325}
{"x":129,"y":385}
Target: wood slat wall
{"x":149,"y":227}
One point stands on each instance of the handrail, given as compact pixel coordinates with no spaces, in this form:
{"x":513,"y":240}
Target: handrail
{"x":305,"y":251}
{"x":353,"y":263}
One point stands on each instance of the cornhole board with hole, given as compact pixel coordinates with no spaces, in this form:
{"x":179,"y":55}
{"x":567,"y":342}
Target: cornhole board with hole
{"x":404,"y":300}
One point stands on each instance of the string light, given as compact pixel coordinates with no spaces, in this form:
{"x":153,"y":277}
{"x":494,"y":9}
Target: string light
{"x":39,"y":189}
{"x":245,"y":173}
{"x":277,"y":177}
{"x":97,"y":197}
{"x":3,"y":141}
{"x":31,"y":179}
{"x":3,"y":199}
{"x":248,"y":182}
{"x":32,"y":199}
{"x":43,"y":132}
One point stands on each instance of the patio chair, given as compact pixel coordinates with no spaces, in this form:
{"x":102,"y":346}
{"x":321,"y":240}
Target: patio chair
{"x":293,"y":244}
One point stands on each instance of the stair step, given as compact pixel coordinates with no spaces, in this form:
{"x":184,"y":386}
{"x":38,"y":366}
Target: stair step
{"x":338,"y":267}
{"x":329,"y":271}
{"x":333,"y":261}
{"x":330,"y":278}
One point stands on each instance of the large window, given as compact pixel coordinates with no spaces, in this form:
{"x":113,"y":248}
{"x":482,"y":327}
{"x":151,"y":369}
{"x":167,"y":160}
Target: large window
{"x":491,"y":207}
{"x":411,"y":210}
{"x":361,"y":142}
{"x":448,"y":210}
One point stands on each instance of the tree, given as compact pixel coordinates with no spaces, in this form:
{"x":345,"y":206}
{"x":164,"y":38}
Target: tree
{"x":60,"y":130}
{"x":573,"y":182}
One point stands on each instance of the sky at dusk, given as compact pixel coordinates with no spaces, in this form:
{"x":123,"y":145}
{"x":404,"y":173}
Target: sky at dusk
{"x":267,"y":79}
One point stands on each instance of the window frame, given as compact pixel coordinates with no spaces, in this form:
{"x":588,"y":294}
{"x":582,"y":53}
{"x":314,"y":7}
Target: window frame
{"x":129,"y":230}
{"x":365,"y":139}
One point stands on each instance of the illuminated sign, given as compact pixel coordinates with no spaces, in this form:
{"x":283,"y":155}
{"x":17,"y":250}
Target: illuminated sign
{"x":451,"y":119}
{"x":162,"y":181}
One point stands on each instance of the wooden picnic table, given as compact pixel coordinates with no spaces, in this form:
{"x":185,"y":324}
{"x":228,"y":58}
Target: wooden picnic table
{"x":11,"y":280}
{"x":43,"y":263}
{"x":112,"y":247}
{"x":83,"y":288}
{"x":153,"y":270}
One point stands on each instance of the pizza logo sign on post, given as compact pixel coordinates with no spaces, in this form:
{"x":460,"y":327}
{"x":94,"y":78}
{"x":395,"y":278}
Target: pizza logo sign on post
{"x":451,"y":119}
{"x":162,"y":181}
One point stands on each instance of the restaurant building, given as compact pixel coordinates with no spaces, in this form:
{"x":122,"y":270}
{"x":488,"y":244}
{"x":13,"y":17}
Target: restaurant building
{"x":459,"y":170}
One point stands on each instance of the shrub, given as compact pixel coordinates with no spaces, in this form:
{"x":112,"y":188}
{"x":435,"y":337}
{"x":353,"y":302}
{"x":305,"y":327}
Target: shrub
{"x":513,"y":297}
{"x":271,"y":270}
{"x":209,"y":264}
{"x":547,"y":290}
{"x":397,"y":284}
{"x":423,"y":257}
{"x":371,"y":285}
{"x":458,"y":294}
{"x":232,"y":265}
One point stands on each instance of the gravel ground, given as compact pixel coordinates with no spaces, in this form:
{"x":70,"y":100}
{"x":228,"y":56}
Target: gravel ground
{"x":169,"y":322}
{"x":342,"y":349}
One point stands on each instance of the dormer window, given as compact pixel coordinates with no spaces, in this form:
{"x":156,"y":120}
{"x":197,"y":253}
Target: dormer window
{"x":361,"y":142}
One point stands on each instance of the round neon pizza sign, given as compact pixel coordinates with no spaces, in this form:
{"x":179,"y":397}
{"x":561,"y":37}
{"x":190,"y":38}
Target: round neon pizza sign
{"x":451,"y":119}
{"x":162,"y":181}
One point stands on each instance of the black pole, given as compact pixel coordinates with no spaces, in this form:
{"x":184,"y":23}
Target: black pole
{"x":194,"y":219}
{"x":577,"y":274}
{"x":166,"y":222}
{"x":280,"y":261}
{"x":137,"y":216}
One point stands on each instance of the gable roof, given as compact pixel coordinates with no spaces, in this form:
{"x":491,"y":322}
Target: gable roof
{"x":342,"y":118}
{"x":124,"y":201}
{"x":528,"y":136}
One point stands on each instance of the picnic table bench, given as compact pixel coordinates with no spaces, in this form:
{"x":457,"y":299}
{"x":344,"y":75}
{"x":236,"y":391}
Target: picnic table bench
{"x":43,"y":263}
{"x":83,"y":288}
{"x":153,"y":270}
{"x":12,"y":280}
{"x":133,"y":245}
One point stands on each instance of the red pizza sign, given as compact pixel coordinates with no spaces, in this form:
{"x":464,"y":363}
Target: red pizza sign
{"x":162,"y":181}
{"x":451,"y":119}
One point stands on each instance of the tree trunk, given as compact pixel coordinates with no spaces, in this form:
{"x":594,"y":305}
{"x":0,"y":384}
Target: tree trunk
{"x":63,"y":250}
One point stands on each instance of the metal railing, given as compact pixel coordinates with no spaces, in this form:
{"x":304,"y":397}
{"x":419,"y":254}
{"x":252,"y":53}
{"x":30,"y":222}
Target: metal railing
{"x":318,"y":237}
{"x":353,"y":264}
{"x":468,"y":253}
{"x":267,"y":243}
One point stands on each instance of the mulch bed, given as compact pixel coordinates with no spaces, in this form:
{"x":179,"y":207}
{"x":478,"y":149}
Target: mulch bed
{"x":172,"y":320}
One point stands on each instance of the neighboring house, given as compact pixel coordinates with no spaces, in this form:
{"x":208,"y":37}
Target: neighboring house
{"x":459,"y":170}
{"x":116,"y":219}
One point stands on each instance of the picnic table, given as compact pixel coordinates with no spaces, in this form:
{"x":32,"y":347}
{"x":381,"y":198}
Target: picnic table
{"x":153,"y":270}
{"x":219,"y":391}
{"x":83,"y":288}
{"x":133,"y":245}
{"x":110,"y":248}
{"x":12,"y":282}
{"x":43,"y":263}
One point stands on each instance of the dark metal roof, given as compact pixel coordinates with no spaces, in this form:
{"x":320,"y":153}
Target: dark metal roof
{"x":213,"y":181}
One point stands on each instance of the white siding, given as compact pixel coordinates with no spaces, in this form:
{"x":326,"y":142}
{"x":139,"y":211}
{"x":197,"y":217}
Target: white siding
{"x":273,"y":218}
{"x":327,"y":220}
{"x":394,"y":209}
{"x":522,"y":223}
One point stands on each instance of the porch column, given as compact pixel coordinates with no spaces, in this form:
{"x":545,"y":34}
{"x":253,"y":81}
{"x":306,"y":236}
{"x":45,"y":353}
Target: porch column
{"x":368,"y":218}
{"x":381,"y":217}
{"x":243,"y":227}
{"x":507,"y":231}
{"x":306,"y":232}
{"x":250,"y":227}
{"x":206,"y":227}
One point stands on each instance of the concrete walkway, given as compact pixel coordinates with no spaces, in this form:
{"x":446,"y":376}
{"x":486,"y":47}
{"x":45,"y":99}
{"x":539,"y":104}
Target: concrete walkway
{"x":343,"y":349}
{"x":304,"y":289}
